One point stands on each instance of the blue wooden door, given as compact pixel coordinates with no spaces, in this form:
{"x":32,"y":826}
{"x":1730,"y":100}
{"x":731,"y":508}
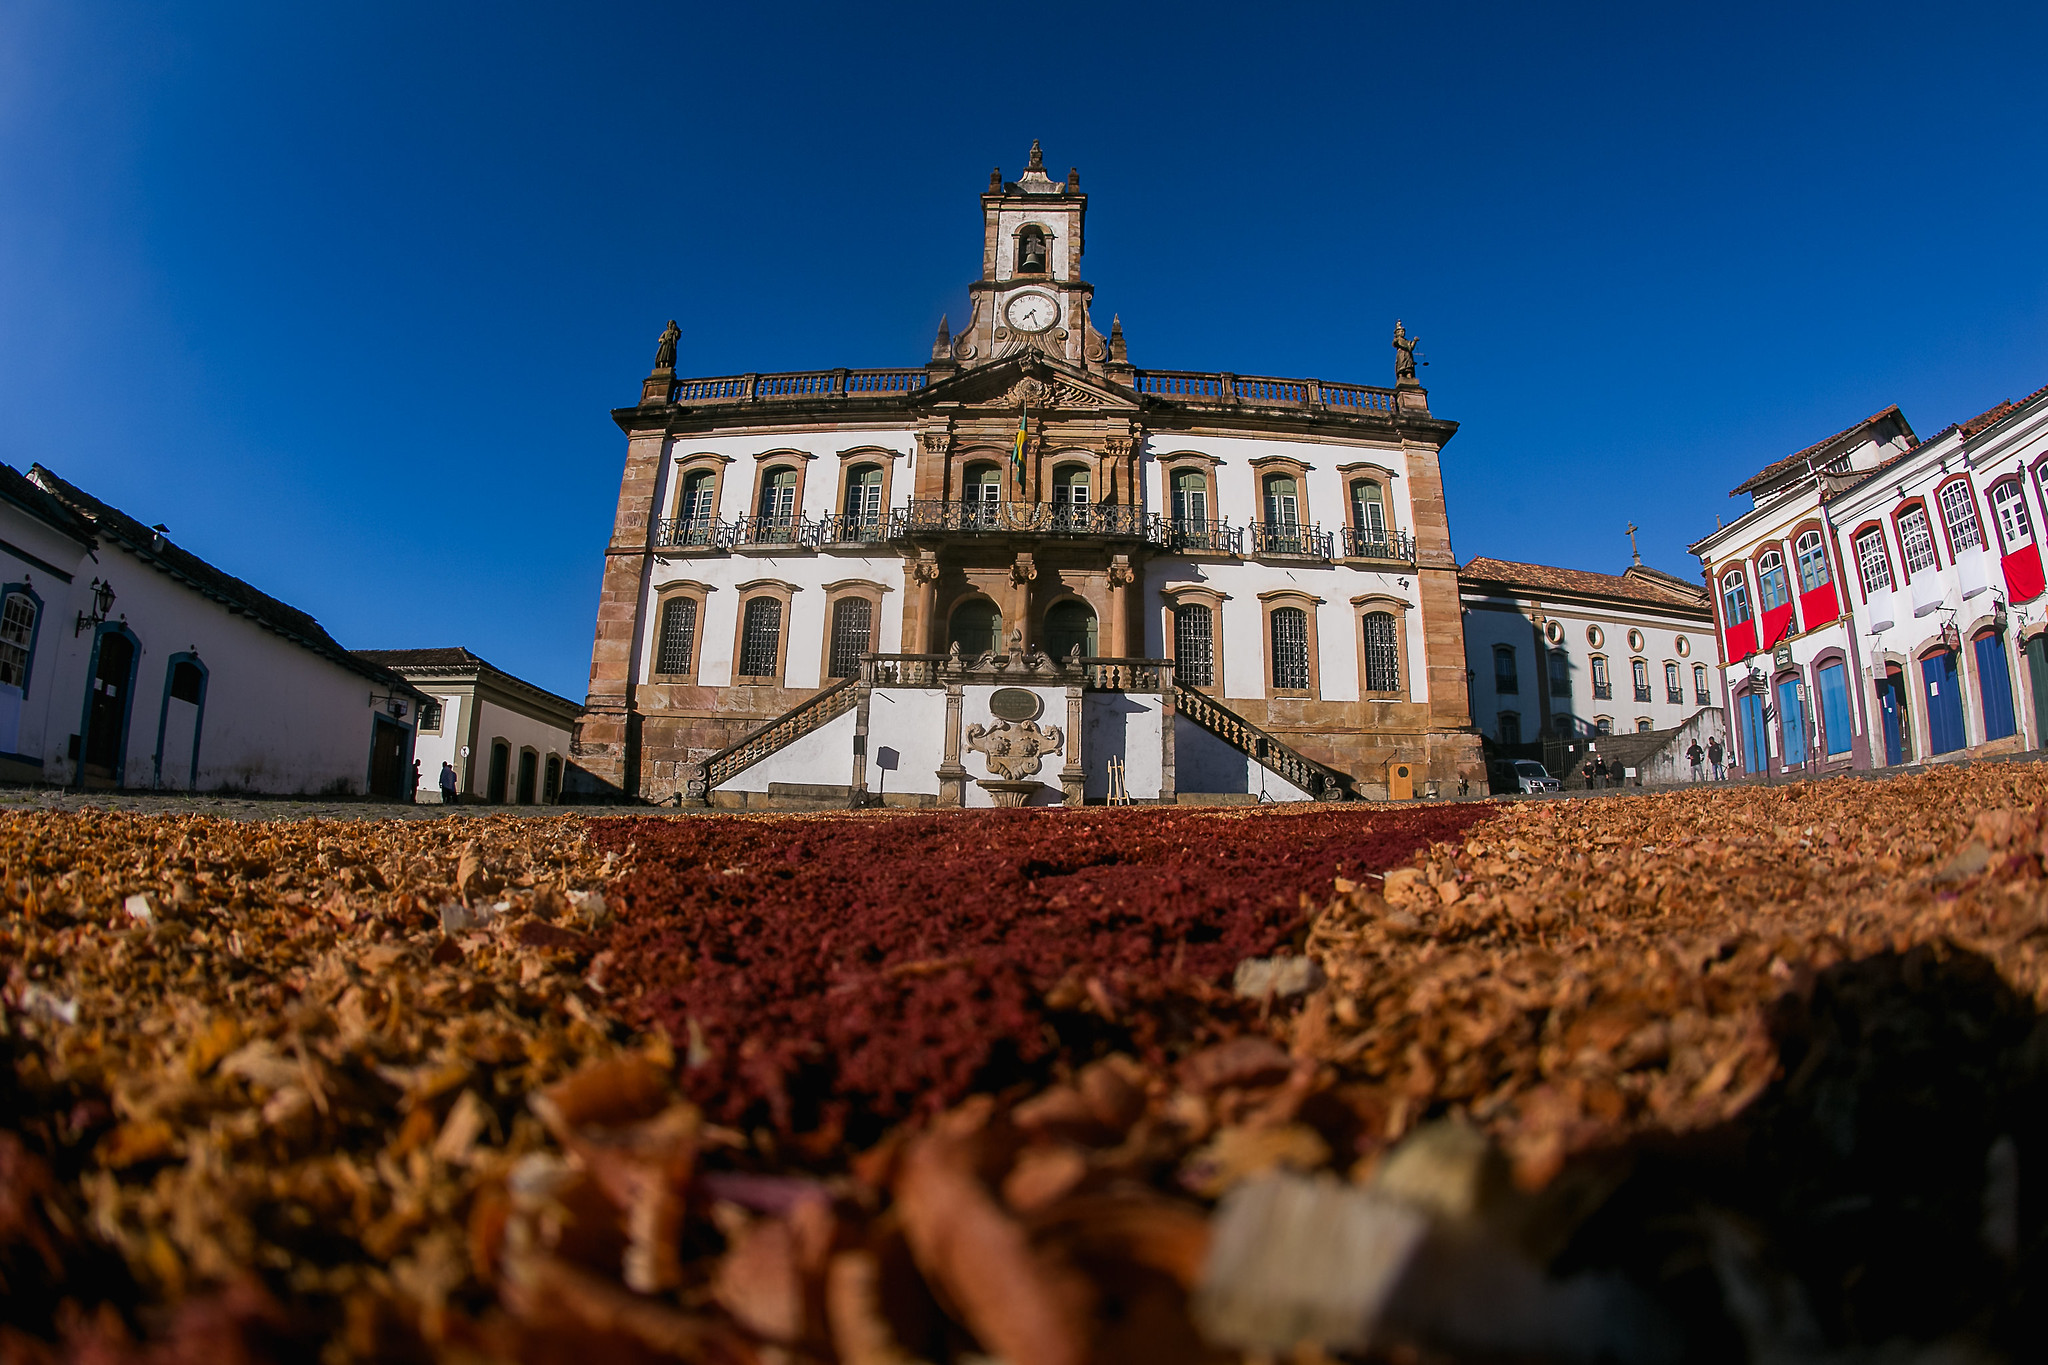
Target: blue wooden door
{"x":1755,"y":749}
{"x":1833,"y":686}
{"x":1994,"y":681}
{"x":1944,"y":704}
{"x":1791,"y":723}
{"x":1891,"y":701}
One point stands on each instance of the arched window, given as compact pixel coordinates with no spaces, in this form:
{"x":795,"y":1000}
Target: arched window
{"x":976,"y":626}
{"x":864,"y":495}
{"x":1382,"y":653}
{"x":853,"y":623}
{"x":1070,"y":498}
{"x":1774,"y":589}
{"x":1369,"y":509}
{"x":1813,"y":563}
{"x":1735,"y":597}
{"x":1674,"y":683}
{"x":1505,"y":676}
{"x":1031,"y":253}
{"x":1290,"y":648}
{"x":2015,"y":527}
{"x":1190,"y":497}
{"x":1603,"y":686}
{"x":1872,"y":562}
{"x":1194,"y":645}
{"x":1283,"y":500}
{"x":1643,"y":723}
{"x":1560,"y":673}
{"x":17,"y":638}
{"x":1959,"y":510}
{"x":430,"y":716}
{"x":778,"y":506}
{"x":1917,"y":539}
{"x":697,"y":512}
{"x":677,"y":644}
{"x":1639,"y":669}
{"x":1069,"y":625}
{"x":982,"y":490}
{"x":760,"y":638}
{"x":1561,"y":721}
{"x":1700,"y":695}
{"x":1510,"y":727}
{"x":1603,"y":725}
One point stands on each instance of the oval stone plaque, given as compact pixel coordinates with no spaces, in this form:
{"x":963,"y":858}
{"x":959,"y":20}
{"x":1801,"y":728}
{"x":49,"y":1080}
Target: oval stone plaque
{"x":1013,"y":703}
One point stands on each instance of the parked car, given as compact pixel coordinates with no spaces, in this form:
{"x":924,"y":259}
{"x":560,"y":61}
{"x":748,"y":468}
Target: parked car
{"x":1528,"y":776}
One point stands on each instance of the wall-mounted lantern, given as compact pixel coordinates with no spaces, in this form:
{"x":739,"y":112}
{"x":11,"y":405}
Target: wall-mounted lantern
{"x":102,"y":603}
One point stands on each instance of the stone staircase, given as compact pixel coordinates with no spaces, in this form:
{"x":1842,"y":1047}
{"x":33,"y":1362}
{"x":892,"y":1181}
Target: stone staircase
{"x":1320,"y":781}
{"x":792,"y":725}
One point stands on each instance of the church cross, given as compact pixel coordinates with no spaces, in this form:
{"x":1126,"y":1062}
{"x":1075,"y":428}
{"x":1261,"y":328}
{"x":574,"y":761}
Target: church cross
{"x":1634,"y":549}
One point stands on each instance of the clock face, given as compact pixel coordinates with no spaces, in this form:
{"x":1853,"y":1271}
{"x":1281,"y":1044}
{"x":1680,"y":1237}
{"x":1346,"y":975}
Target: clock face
{"x":1031,"y":312}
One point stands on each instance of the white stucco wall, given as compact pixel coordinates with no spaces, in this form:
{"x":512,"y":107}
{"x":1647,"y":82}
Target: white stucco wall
{"x":1492,"y":620}
{"x":52,"y":657}
{"x":822,"y":757}
{"x":1121,"y":725}
{"x":911,"y":722}
{"x":435,"y":747}
{"x":496,"y":721}
{"x":1205,"y":765}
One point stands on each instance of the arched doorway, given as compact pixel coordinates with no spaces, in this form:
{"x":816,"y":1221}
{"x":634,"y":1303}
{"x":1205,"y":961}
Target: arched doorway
{"x":501,"y":764}
{"x":976,"y":626}
{"x":1069,"y":625}
{"x":106,"y":706}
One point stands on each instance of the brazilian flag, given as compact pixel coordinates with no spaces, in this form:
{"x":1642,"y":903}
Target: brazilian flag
{"x":1017,"y":449}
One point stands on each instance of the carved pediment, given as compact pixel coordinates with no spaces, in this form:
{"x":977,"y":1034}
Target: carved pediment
{"x":1037,"y":382}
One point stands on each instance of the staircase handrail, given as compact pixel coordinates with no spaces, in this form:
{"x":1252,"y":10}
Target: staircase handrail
{"x":807,"y":715}
{"x":1319,"y":780}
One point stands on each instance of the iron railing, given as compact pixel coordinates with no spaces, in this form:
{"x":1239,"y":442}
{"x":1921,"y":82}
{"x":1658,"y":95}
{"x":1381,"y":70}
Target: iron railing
{"x":1199,"y":537}
{"x":843,"y":529}
{"x":1561,"y":687}
{"x":1703,"y":697}
{"x":1601,"y":691}
{"x":693,"y":533}
{"x":1322,"y":783}
{"x":930,"y":516}
{"x":1675,"y":695}
{"x":1290,"y":538}
{"x":784,"y":528}
{"x":1642,"y":694}
{"x":1398,"y":546}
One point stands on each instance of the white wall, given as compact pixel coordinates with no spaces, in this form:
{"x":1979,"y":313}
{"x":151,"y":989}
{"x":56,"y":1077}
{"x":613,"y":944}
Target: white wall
{"x":1205,"y":765}
{"x":1122,"y":725}
{"x":823,"y":757}
{"x":433,"y":748}
{"x":496,"y":721}
{"x":55,"y":658}
{"x":912,"y":722}
{"x":1487,"y":624}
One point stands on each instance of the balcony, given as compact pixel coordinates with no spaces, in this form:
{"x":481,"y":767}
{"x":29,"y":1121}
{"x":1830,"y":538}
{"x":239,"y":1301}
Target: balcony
{"x":693,"y":533}
{"x":1188,"y":388}
{"x":797,"y":386}
{"x":1603,"y":691}
{"x":1642,"y":694}
{"x":927,"y":517}
{"x":1393,"y":546}
{"x":1291,"y":540}
{"x":1201,"y":537}
{"x":1702,"y":698}
{"x":1675,"y":695}
{"x":853,"y":530}
{"x":1560,"y":687}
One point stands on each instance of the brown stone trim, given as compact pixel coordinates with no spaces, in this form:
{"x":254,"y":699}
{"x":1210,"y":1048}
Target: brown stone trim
{"x":701,"y":592}
{"x":680,"y":470}
{"x":850,"y":460}
{"x":1271,"y":601}
{"x":1362,"y":606}
{"x":772,"y":461}
{"x":782,"y":592}
{"x":1178,"y":462}
{"x":1200,"y":594}
{"x":838,"y":592}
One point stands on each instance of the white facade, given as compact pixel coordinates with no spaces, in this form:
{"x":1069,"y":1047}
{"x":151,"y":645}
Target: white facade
{"x":507,"y":740}
{"x":148,"y":669}
{"x":1563,"y":652}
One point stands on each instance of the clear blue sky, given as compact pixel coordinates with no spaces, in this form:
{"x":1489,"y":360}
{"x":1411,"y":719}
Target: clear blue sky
{"x":344,"y":293}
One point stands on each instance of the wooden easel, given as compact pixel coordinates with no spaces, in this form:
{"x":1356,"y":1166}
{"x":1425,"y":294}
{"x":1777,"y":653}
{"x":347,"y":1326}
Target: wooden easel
{"x":1118,"y":795}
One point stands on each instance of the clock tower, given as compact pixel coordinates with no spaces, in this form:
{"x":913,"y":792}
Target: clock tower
{"x":1031,"y":296}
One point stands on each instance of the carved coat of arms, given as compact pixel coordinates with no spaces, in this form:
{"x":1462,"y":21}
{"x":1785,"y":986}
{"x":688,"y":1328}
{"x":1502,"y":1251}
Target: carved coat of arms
{"x":1015,"y":749}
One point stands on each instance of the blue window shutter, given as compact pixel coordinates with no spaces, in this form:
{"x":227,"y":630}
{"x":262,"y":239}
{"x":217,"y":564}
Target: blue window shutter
{"x":1994,"y":683}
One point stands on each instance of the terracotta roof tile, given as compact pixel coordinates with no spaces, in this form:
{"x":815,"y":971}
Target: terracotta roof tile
{"x":1797,"y":457}
{"x":1548,"y":578}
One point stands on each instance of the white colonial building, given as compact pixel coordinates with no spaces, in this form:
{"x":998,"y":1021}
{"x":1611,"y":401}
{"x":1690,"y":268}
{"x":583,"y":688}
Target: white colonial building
{"x":128,"y":661}
{"x":507,"y":740}
{"x":1224,"y":583}
{"x":1565,"y":652}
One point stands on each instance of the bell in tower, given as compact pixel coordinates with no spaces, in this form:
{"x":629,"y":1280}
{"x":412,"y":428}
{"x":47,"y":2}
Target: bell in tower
{"x":1031,"y":251}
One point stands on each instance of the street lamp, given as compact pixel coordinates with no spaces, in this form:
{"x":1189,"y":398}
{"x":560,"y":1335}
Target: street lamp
{"x":102,"y":603}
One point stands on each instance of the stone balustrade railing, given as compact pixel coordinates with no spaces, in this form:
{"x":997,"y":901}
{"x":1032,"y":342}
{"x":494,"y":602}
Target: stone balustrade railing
{"x":1183,"y":388}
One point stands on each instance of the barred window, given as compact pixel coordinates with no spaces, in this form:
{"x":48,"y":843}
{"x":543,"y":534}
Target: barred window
{"x":1673,"y":679}
{"x":1290,"y":647}
{"x":1194,"y":645}
{"x":760,"y":637}
{"x":1600,"y":678}
{"x":1699,"y":683}
{"x":1505,"y":676}
{"x":853,"y":620}
{"x":1813,"y":563}
{"x":678,"y":641}
{"x":430,"y":715}
{"x":17,"y":630}
{"x":1382,"y":653}
{"x":1959,"y":510}
{"x":1872,"y":563}
{"x":1917,"y":539}
{"x":1560,"y":673}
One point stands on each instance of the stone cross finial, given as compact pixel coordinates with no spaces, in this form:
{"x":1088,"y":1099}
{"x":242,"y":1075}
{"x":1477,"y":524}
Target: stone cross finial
{"x":1633,"y":547}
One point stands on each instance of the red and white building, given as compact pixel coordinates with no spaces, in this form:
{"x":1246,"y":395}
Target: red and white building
{"x":1873,"y":604}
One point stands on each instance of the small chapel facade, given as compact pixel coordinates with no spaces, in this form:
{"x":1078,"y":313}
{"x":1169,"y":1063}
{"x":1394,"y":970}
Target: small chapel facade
{"x":1228,"y":584}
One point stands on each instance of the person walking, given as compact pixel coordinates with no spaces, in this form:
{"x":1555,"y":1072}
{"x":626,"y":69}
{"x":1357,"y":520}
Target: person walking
{"x":1715,"y":753}
{"x":448,"y":784}
{"x":413,"y":796}
{"x":1698,"y":757}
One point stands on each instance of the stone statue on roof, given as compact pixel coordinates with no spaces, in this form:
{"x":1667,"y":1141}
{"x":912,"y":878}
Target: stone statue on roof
{"x":1404,"y":353}
{"x":665,"y":353}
